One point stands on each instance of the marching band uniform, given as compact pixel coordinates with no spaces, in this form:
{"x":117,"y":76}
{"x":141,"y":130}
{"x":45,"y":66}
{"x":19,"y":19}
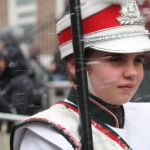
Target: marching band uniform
{"x":106,"y":126}
{"x":115,"y":28}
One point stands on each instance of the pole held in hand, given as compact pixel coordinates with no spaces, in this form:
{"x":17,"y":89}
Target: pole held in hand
{"x":81,"y":76}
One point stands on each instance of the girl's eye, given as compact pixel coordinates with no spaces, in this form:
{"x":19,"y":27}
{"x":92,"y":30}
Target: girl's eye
{"x":139,"y":60}
{"x":117,"y":60}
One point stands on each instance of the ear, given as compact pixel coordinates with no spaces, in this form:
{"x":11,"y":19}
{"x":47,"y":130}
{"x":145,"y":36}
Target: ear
{"x":71,"y":65}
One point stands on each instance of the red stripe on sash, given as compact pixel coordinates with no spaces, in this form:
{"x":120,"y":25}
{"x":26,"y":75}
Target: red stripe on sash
{"x":99,"y":127}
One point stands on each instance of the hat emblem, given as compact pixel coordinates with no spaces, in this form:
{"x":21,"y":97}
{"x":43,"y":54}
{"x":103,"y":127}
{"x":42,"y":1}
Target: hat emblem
{"x":130,"y":13}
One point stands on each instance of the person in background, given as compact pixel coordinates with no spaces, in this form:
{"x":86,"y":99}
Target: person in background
{"x":47,"y":72}
{"x":115,"y":45}
{"x":40,"y":79}
{"x":57,"y":68}
{"x":15,"y":84}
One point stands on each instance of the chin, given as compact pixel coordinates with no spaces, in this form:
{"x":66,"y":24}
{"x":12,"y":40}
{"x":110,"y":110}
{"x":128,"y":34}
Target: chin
{"x":122,"y":101}
{"x":126,"y":100}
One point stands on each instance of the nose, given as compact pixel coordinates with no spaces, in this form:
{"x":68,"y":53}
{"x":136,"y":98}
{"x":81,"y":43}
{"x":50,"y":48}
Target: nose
{"x":131,"y":71}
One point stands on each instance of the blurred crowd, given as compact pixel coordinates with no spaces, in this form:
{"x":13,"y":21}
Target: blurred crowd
{"x":23,"y":83}
{"x":23,"y":78}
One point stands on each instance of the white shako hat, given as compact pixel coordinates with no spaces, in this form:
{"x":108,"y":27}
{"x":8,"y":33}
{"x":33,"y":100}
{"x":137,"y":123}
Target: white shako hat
{"x":108,"y":25}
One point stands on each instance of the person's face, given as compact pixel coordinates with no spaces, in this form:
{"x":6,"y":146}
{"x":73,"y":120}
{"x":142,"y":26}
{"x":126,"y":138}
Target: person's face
{"x":2,"y":65}
{"x":115,"y":77}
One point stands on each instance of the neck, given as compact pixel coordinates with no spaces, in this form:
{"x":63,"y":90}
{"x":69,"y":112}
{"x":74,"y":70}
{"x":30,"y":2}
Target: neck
{"x":101,"y":110}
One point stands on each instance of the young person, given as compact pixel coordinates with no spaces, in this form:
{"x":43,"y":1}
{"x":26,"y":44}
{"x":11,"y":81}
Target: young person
{"x":115,"y":44}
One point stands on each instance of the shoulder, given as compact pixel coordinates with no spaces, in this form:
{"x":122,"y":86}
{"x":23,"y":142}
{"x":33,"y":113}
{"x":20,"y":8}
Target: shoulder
{"x":60,"y":117}
{"x":44,"y":135}
{"x":48,"y":125}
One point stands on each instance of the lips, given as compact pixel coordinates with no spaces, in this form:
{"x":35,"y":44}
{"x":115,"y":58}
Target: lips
{"x":127,"y":87}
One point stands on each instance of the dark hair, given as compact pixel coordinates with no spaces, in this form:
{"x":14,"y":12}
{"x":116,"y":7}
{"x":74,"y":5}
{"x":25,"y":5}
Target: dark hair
{"x":71,"y":78}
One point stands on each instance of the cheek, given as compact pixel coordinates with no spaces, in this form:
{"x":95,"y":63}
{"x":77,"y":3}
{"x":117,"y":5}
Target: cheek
{"x":103,"y":76}
{"x":105,"y":72}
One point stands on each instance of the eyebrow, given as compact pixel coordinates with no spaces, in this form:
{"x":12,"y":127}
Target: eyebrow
{"x":119,"y":55}
{"x":112,"y":55}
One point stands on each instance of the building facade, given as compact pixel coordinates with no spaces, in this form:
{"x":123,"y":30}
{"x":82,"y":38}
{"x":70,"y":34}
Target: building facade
{"x":46,"y":26}
{"x":36,"y":17}
{"x":3,"y":13}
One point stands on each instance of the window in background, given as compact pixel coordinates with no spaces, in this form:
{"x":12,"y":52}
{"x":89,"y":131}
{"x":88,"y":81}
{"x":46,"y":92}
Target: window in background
{"x":24,"y":15}
{"x":24,"y":2}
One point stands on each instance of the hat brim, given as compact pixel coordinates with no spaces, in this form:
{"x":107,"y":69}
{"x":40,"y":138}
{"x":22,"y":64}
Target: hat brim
{"x":133,"y":44}
{"x":124,"y":45}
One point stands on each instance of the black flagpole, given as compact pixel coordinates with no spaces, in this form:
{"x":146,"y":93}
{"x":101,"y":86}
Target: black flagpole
{"x":81,"y":77}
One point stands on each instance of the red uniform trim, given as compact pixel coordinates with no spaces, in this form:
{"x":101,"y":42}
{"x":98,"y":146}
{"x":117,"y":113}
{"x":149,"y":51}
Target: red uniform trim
{"x":105,"y":109}
{"x":69,"y":106}
{"x":99,"y":127}
{"x":102,"y":107}
{"x":94,"y":23}
{"x":109,"y":134}
{"x":56,"y":125}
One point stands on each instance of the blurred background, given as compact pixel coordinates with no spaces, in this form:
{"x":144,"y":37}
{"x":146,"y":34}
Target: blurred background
{"x":37,"y":18}
{"x":33,"y":24}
